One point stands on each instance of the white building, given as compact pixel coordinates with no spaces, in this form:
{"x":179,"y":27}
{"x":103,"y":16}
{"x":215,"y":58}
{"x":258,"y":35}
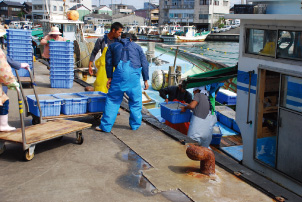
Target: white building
{"x":201,"y":13}
{"x":41,"y":9}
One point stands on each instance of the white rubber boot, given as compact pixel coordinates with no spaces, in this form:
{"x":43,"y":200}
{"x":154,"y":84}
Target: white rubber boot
{"x":4,"y":124}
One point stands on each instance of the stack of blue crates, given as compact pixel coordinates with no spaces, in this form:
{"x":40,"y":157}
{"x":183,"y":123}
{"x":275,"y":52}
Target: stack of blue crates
{"x":61,"y":64}
{"x":19,"y":48}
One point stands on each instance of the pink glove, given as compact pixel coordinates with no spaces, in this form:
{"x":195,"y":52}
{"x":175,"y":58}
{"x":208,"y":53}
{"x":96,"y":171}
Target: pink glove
{"x":24,"y":65}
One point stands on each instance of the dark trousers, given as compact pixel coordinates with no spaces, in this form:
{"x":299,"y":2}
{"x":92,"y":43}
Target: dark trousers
{"x":4,"y":108}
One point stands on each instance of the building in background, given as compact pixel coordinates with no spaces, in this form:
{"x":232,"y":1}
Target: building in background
{"x":54,"y":9}
{"x":102,"y":10}
{"x":97,"y":19}
{"x":82,"y":10}
{"x":122,"y":9}
{"x":128,"y":20}
{"x":201,"y":13}
{"x":10,"y":10}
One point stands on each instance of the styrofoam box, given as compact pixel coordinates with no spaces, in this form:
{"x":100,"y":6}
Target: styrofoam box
{"x":50,"y":105}
{"x":174,"y":115}
{"x":96,"y":100}
{"x":226,"y":97}
{"x":72,"y":103}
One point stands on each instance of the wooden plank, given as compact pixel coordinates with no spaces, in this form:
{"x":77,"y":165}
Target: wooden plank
{"x":63,"y":116}
{"x":261,"y":91}
{"x":44,"y":131}
{"x":26,"y":79}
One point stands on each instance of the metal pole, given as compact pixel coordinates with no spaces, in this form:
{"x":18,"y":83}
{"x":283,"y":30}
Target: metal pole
{"x":175,"y":57}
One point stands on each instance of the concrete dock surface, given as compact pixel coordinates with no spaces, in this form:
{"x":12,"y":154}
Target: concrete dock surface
{"x":124,"y":165}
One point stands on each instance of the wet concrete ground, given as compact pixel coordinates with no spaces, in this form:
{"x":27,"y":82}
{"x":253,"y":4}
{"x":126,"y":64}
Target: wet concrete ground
{"x":107,"y":166}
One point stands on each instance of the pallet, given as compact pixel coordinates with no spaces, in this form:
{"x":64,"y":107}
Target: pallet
{"x":44,"y":131}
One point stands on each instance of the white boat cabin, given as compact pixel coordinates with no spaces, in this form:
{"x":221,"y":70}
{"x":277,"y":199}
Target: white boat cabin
{"x":269,"y":96}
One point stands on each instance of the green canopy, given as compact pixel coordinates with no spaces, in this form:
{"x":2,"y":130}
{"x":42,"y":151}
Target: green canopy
{"x":37,"y":33}
{"x":210,"y":77}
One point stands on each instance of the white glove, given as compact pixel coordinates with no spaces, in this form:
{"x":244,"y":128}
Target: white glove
{"x":13,"y":86}
{"x":24,"y":65}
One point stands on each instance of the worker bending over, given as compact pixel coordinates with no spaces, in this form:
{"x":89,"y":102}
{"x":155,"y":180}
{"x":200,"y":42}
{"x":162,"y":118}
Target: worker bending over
{"x":202,"y":120}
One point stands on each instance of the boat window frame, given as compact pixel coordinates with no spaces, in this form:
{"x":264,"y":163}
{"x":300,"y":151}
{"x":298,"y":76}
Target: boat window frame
{"x":293,"y":61}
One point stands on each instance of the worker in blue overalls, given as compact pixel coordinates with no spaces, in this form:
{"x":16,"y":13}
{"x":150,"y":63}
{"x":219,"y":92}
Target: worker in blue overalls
{"x":130,"y":62}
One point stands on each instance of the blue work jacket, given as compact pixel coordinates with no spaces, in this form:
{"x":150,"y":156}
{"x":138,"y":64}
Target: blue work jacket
{"x":136,"y":56}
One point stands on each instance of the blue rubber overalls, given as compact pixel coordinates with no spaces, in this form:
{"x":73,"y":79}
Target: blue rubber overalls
{"x":125,"y":79}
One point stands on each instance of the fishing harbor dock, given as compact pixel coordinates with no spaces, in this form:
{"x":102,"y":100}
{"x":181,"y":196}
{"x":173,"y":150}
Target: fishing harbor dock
{"x":124,"y":165}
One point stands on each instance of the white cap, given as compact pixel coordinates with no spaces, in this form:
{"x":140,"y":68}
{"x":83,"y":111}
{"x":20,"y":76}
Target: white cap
{"x":202,"y":90}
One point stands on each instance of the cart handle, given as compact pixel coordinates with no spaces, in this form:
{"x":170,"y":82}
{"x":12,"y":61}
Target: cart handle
{"x":21,"y":112}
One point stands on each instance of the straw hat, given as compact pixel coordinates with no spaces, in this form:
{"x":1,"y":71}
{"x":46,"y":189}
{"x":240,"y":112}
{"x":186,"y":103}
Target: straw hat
{"x":2,"y":31}
{"x":55,"y":30}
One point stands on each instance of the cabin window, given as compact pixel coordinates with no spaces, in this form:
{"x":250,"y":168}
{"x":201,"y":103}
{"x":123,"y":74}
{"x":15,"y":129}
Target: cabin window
{"x":61,"y":8}
{"x":4,"y":8}
{"x":261,"y":42}
{"x":69,"y":28}
{"x":289,"y":45}
{"x":291,"y":94}
{"x":54,"y":8}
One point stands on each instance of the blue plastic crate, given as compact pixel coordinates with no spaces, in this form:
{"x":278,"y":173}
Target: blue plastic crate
{"x":15,"y":53}
{"x":18,"y":49}
{"x":216,"y":139}
{"x":62,"y":68}
{"x":61,"y":48}
{"x":22,"y":44}
{"x":50,"y":105}
{"x":72,"y":103}
{"x":174,"y":115}
{"x":61,"y":72}
{"x":96,"y":100}
{"x":61,"y":76}
{"x":61,"y":56}
{"x":61,"y":83}
{"x":18,"y":37}
{"x":226,"y":97}
{"x":19,"y":32}
{"x":61,"y":61}
{"x":216,"y":136}
{"x":65,"y":65}
{"x":226,"y":118}
{"x":20,"y":57}
{"x":60,"y":44}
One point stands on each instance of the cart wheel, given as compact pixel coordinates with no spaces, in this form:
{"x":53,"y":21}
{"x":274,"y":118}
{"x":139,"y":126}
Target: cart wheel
{"x":35,"y":121}
{"x":2,"y":150}
{"x":27,"y":156}
{"x":80,"y":138}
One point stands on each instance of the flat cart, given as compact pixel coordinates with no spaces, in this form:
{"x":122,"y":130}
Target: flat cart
{"x":32,"y":135}
{"x":40,"y":119}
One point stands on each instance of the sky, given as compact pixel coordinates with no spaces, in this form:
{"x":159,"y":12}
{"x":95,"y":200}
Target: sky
{"x":136,"y":3}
